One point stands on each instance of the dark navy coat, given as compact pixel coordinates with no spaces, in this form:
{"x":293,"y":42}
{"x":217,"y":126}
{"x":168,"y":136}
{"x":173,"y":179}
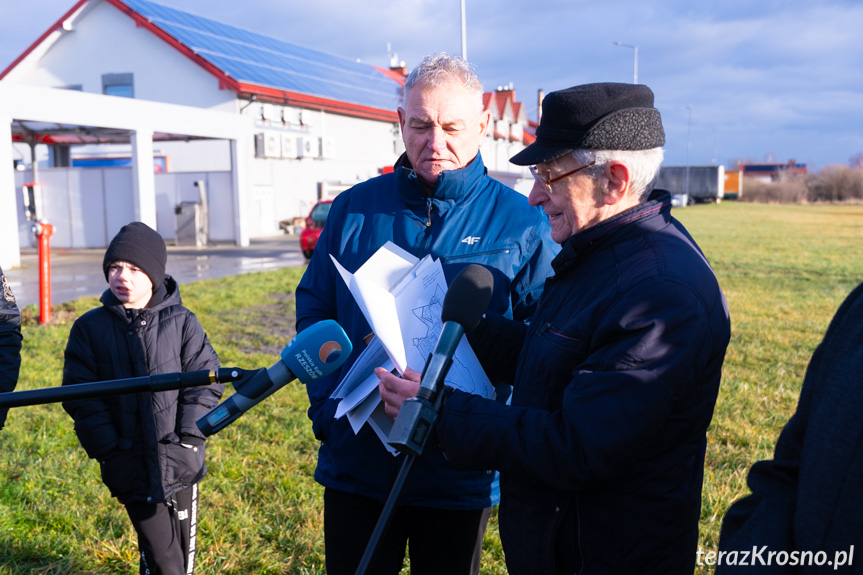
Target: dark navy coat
{"x":806,"y":506}
{"x":601,"y":454}
{"x":471,"y":219}
{"x":10,"y":341}
{"x":136,"y":437}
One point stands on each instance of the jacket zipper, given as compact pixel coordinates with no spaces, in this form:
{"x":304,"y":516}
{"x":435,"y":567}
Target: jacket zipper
{"x":478,"y":254}
{"x":427,"y":234}
{"x":550,"y":328}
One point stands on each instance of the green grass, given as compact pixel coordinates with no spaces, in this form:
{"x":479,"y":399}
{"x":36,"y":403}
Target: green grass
{"x":784,"y":269}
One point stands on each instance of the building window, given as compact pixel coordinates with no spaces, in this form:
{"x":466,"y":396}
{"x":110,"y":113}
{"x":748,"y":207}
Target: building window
{"x":118,"y":85}
{"x":59,"y":156}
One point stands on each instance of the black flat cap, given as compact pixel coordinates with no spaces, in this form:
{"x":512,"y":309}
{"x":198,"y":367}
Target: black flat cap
{"x":603,"y":116}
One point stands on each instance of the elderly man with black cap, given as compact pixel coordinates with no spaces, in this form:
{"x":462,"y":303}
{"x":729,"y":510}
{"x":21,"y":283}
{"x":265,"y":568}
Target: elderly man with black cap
{"x":601,"y":451}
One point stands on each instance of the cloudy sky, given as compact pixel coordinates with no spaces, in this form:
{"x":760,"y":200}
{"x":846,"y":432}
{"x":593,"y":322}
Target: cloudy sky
{"x":765,"y":80}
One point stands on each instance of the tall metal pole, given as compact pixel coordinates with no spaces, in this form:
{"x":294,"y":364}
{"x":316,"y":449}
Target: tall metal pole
{"x":715,"y":159}
{"x":463,"y":32}
{"x":688,"y":132}
{"x":635,"y":65}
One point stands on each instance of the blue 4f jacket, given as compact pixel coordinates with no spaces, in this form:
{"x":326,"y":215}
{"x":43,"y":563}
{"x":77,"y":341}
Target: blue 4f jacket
{"x":471,"y":219}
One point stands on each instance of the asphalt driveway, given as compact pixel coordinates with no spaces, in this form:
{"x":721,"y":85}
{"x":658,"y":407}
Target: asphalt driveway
{"x":78,"y":273}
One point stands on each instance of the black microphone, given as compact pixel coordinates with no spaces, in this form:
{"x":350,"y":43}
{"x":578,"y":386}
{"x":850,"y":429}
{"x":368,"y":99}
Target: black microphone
{"x":314,"y":353}
{"x":463,"y":305}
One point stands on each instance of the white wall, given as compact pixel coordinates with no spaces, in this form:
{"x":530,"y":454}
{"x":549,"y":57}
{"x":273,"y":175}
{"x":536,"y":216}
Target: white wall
{"x":175,"y":188}
{"x":497,"y":152}
{"x":103,"y":41}
{"x":287,"y":187}
{"x":10,"y":255}
{"x":88,"y":206}
{"x":196,"y":155}
{"x":85,"y":206}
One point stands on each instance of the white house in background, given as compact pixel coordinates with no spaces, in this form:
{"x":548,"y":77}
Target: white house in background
{"x":509,"y":134}
{"x":128,"y":110}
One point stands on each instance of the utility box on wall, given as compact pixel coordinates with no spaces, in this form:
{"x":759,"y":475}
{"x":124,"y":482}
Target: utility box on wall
{"x":187,"y":225}
{"x":191,"y":220}
{"x":187,"y":220}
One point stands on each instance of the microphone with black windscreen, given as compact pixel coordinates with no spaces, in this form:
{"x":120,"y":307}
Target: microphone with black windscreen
{"x":463,"y":306}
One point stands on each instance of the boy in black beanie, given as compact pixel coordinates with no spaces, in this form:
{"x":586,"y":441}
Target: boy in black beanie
{"x":149,"y":448}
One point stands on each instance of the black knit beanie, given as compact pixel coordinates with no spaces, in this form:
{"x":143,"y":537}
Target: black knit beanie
{"x":141,"y":245}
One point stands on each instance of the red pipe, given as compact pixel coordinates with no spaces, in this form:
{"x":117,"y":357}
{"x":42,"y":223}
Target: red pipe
{"x":44,"y":230}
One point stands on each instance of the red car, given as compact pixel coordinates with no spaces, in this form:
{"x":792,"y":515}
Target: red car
{"x":314,"y":225}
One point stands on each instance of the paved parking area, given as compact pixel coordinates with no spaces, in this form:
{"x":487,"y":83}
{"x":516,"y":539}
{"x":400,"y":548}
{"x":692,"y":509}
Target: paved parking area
{"x":78,"y":273}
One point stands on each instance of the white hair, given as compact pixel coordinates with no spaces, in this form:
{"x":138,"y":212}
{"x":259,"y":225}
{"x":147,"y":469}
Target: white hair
{"x":438,"y":69}
{"x":643,"y":166}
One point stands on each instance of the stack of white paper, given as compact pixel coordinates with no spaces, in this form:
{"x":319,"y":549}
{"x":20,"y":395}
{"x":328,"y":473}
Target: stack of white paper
{"x":401,"y":297}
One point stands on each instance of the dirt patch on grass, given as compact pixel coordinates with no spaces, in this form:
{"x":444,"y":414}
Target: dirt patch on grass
{"x":60,"y":314}
{"x":276,"y":319}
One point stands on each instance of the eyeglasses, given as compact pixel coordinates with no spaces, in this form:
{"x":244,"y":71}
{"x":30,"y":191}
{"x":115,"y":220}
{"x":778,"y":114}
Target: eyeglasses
{"x":548,"y":182}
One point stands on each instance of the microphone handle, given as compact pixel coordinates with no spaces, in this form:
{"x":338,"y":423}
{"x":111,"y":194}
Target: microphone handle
{"x":249,"y":392}
{"x":313,"y":353}
{"x":151,"y":383}
{"x":440,"y":361}
{"x":418,"y":414}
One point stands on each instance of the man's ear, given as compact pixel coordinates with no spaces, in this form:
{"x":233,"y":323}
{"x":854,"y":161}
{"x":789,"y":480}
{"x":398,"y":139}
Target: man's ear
{"x":484,"y":123}
{"x":618,"y":183}
{"x":401,"y":118}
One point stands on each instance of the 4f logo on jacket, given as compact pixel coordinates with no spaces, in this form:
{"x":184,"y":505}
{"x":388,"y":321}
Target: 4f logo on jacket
{"x":471,"y":240}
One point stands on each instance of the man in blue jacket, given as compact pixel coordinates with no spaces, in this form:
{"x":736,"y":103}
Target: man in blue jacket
{"x":601,"y":454}
{"x":439,"y":201}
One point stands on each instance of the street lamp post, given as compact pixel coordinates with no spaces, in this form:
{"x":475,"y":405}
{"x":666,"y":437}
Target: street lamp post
{"x":688,"y":132}
{"x":635,"y":66}
{"x":463,"y":32}
{"x":714,"y":148}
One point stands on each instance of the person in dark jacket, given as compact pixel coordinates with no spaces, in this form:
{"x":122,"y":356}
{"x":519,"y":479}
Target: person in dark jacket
{"x":805,"y":512}
{"x":601,"y":453}
{"x":10,"y":342}
{"x":149,"y":448}
{"x":439,"y":201}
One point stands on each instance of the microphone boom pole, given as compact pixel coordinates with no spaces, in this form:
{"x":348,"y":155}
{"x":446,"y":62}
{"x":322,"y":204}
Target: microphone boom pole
{"x":463,"y":306}
{"x":151,"y":383}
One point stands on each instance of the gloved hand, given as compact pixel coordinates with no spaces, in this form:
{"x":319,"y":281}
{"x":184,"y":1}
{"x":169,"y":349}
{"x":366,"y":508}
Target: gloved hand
{"x":192,"y":440}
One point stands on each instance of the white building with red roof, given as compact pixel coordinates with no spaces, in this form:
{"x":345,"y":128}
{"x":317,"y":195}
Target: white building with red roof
{"x":131,"y":110}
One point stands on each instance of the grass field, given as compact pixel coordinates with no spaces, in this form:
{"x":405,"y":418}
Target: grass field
{"x":784,"y":270}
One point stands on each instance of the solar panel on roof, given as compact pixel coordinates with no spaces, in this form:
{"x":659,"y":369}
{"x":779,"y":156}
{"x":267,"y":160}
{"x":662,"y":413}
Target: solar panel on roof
{"x":260,"y":60}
